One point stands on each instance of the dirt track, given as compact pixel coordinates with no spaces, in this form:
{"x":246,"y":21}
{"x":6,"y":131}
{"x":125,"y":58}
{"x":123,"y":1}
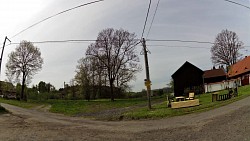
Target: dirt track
{"x":231,"y":122}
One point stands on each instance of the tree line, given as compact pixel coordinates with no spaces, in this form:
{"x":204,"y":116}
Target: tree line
{"x":108,"y":65}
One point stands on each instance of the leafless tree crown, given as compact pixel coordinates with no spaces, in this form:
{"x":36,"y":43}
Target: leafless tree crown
{"x":225,"y":50}
{"x":114,"y":54}
{"x":26,"y":60}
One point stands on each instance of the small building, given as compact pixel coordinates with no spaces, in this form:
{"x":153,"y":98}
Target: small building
{"x":241,"y":71}
{"x":215,"y":80}
{"x":214,"y":75}
{"x":188,"y":78}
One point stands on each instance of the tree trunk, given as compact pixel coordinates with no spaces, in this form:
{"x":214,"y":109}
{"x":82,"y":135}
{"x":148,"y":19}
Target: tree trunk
{"x":23,"y":86}
{"x":111,"y":90}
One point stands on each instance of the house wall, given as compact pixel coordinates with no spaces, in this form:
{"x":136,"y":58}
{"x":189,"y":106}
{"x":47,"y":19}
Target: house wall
{"x":245,"y":79}
{"x":212,"y":87}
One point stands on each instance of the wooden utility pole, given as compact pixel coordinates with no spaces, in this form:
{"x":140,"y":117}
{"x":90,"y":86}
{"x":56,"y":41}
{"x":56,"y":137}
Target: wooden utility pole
{"x":147,"y":80}
{"x":1,"y":59}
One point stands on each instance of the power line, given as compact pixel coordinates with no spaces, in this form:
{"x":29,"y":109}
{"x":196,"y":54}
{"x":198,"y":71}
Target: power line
{"x":237,"y":4}
{"x":186,"y":41}
{"x":145,"y":23}
{"x":67,"y":41}
{"x":62,"y":41}
{"x":179,"y":46}
{"x":153,"y":18}
{"x":55,"y":15}
{"x":91,"y":41}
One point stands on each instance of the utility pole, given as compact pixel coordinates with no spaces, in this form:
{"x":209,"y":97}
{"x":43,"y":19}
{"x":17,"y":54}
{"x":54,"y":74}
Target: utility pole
{"x":1,"y":59}
{"x":147,"y":80}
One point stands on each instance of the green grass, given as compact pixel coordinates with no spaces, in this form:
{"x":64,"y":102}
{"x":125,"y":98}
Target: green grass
{"x":140,"y":110}
{"x":22,"y":104}
{"x":161,"y":110}
{"x":74,"y":107}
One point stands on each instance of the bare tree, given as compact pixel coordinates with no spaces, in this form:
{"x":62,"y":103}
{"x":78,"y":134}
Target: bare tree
{"x":115,"y":50}
{"x":25,"y":61}
{"x":225,"y":50}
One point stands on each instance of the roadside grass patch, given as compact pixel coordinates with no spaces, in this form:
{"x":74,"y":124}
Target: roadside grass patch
{"x":22,"y":104}
{"x":161,"y":110}
{"x":77,"y":107}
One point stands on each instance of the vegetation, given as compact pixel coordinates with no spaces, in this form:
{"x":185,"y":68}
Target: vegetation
{"x":111,"y":60}
{"x":161,"y":110}
{"x":25,"y":61}
{"x":132,"y":106}
{"x":76,"y":107}
{"x":225,"y":50}
{"x":2,"y":110}
{"x":23,"y":104}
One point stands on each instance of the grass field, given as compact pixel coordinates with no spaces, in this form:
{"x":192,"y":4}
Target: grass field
{"x":74,"y":107}
{"x":161,"y":110}
{"x":137,"y":107}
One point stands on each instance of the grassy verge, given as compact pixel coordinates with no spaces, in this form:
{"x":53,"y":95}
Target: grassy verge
{"x":22,"y":104}
{"x":161,"y":110}
{"x":74,"y":107}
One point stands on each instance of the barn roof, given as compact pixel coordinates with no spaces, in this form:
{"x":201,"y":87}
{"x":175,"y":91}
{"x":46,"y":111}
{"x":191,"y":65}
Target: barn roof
{"x":183,"y":67}
{"x":214,"y":73}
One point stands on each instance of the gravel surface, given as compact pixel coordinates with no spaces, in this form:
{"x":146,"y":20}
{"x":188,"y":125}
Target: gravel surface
{"x":231,"y":122}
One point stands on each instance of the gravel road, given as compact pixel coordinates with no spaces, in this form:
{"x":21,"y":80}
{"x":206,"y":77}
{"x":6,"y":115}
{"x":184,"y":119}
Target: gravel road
{"x":227,"y":123}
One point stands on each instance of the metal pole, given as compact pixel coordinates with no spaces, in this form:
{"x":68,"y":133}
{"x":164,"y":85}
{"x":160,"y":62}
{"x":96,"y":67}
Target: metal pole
{"x":6,"y":38}
{"x":147,"y":82}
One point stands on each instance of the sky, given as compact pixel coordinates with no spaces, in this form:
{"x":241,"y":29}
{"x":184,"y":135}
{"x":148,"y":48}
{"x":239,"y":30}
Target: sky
{"x":199,"y":20}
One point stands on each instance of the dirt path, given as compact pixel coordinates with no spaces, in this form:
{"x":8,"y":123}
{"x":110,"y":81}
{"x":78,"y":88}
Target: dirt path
{"x":231,"y":122}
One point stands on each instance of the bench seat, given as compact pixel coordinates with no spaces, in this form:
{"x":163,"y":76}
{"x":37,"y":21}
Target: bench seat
{"x":187,"y":103}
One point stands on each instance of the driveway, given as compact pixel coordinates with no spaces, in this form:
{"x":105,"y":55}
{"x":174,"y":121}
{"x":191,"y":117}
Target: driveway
{"x":230,"y":122}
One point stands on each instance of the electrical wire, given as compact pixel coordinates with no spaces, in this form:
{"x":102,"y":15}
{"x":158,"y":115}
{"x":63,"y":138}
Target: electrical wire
{"x":186,"y":41}
{"x":61,"y":41}
{"x":153,"y":18}
{"x":91,"y":41}
{"x":55,"y":15}
{"x":65,"y":41}
{"x":237,"y":4}
{"x":145,"y":23}
{"x":179,"y":46}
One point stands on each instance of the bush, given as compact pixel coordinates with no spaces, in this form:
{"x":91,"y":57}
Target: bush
{"x":2,"y":110}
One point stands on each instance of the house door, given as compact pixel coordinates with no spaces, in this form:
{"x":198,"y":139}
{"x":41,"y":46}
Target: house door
{"x":245,"y":80}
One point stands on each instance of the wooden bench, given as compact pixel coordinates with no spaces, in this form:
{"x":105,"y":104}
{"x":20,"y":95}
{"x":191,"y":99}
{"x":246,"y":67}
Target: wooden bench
{"x":187,"y":103}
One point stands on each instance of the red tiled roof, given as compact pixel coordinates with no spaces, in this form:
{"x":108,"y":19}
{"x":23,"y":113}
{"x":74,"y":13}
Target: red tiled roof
{"x":214,"y":73}
{"x":240,"y":67}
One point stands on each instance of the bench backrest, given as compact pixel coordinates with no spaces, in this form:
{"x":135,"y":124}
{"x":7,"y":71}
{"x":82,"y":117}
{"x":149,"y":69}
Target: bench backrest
{"x":191,"y":95}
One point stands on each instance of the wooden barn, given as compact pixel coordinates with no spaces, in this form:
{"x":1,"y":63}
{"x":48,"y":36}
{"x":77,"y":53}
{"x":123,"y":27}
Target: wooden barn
{"x":188,"y":78}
